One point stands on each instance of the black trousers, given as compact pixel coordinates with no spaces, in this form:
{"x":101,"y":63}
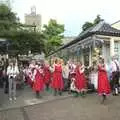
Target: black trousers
{"x":115,"y":80}
{"x":6,"y":84}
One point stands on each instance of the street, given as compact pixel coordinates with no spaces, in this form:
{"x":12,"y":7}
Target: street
{"x":66,"y":108}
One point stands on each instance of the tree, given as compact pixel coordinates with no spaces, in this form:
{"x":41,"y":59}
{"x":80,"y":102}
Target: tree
{"x":21,"y":39}
{"x":87,"y":25}
{"x":8,"y":20}
{"x":24,"y":41}
{"x":53,"y":34}
{"x":97,"y":20}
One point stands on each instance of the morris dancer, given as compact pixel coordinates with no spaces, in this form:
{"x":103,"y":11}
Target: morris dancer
{"x":29,"y":74}
{"x":103,"y":82}
{"x":72,"y":73}
{"x":57,"y":81}
{"x":47,"y":75}
{"x":38,"y":83}
{"x":94,"y":75}
{"x":80,"y":78}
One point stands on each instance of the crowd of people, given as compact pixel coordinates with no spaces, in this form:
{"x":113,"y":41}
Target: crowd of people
{"x":60,"y":76}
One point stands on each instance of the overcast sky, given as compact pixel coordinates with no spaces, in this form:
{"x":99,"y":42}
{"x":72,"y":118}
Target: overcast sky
{"x":72,"y":13}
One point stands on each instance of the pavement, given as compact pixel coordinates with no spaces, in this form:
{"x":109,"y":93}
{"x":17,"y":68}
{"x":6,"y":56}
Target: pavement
{"x":63,"y":107}
{"x":26,"y":97}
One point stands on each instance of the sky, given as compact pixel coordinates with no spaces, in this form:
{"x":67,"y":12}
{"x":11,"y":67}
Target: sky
{"x":72,"y":13}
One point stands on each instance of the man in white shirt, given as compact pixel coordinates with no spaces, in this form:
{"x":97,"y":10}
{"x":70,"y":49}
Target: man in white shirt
{"x":12,"y":72}
{"x":115,"y":69}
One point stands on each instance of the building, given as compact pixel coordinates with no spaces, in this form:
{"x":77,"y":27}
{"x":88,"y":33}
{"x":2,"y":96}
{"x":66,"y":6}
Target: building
{"x":6,"y":2}
{"x":101,"y":38}
{"x":116,"y":25}
{"x":33,"y":19}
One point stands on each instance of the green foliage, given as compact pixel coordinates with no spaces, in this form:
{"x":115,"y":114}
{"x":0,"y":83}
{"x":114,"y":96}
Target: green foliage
{"x":87,"y":25}
{"x":97,"y":20}
{"x":53,"y":34}
{"x":22,"y":40}
{"x":8,"y":20}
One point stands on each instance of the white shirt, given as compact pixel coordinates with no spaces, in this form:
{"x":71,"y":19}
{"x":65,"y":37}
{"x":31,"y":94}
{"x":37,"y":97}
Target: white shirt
{"x":33,"y":75}
{"x":113,"y":66}
{"x":72,"y":68}
{"x":12,"y":71}
{"x":66,"y":72}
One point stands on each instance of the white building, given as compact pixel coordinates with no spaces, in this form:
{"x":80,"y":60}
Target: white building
{"x":6,"y":2}
{"x":33,"y":19}
{"x":102,"y":37}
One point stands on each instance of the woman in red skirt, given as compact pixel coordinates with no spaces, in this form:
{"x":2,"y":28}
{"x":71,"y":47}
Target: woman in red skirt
{"x":80,"y":78}
{"x":38,"y":83}
{"x":47,"y":75}
{"x":57,"y":81}
{"x":28,"y":75}
{"x":103,"y":82}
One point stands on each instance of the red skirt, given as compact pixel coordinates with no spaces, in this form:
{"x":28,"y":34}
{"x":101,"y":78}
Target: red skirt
{"x":38,"y":84}
{"x":57,"y":81}
{"x":103,"y":83}
{"x":47,"y":77}
{"x":80,"y":81}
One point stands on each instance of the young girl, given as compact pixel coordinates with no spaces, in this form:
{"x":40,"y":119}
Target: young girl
{"x":38,"y":84}
{"x":103,"y":82}
{"x":80,"y":78}
{"x":57,"y":81}
{"x":47,"y":75}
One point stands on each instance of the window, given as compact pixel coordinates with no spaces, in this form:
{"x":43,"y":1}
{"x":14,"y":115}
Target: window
{"x":116,"y":48}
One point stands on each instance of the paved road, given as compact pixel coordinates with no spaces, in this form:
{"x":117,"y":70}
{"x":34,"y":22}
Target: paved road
{"x":70,"y":108}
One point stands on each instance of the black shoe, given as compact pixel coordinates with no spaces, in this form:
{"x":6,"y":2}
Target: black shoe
{"x":37,"y":95}
{"x":60,"y":93}
{"x":6,"y":91}
{"x":103,"y":99}
{"x":55,"y":93}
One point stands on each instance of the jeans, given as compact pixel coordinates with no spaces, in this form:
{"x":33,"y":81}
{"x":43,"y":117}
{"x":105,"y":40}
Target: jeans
{"x":12,"y":87}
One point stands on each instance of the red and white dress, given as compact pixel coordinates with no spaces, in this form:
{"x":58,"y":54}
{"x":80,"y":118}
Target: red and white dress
{"x":80,"y":78}
{"x":72,"y":68}
{"x":28,"y":76}
{"x":47,"y":75}
{"x":103,"y":82}
{"x":38,"y":83}
{"x":57,"y":81}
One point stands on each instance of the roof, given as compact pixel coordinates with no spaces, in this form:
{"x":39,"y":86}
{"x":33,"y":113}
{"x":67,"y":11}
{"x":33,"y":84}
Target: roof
{"x":3,"y":41}
{"x":105,"y":29}
{"x":102,"y":28}
{"x":68,"y":39}
{"x":115,"y":22}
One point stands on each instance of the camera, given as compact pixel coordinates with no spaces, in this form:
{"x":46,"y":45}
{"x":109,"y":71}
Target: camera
{"x":11,"y":77}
